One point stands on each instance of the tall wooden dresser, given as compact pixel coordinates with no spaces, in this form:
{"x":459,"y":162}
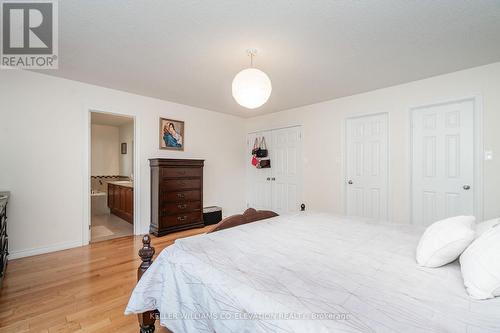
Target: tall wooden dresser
{"x":176,"y":195}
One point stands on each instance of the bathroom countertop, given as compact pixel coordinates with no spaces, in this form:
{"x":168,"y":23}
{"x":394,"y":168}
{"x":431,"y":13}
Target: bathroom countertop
{"x":122,"y":183}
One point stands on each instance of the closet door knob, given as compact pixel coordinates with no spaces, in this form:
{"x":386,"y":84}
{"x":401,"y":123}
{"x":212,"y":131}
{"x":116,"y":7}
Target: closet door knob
{"x":350,"y":182}
{"x":466,"y":187}
{"x":273,"y":178}
{"x":268,"y":178}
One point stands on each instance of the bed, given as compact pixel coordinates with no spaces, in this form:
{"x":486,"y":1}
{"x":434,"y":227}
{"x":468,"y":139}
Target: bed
{"x":306,"y":272}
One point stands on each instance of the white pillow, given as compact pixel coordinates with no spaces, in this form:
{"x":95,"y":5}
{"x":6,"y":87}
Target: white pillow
{"x":443,"y":241}
{"x":482,"y":227}
{"x":480,"y":265}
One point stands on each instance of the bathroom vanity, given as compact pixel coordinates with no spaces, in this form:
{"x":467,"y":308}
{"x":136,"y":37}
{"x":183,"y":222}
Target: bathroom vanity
{"x":121,"y":199}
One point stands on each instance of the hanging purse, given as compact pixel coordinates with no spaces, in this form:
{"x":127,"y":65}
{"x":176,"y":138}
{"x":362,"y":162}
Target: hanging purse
{"x":255,"y":161}
{"x":255,"y":146}
{"x":262,"y":151}
{"x":264,"y":164}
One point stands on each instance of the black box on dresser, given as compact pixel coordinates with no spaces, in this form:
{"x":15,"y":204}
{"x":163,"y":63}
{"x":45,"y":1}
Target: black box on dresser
{"x":176,"y":195}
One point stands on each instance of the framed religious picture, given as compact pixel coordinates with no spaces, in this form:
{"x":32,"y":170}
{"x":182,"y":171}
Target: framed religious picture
{"x":171,"y":134}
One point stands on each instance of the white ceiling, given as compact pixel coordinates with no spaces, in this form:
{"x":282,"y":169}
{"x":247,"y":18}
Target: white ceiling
{"x":108,"y":119}
{"x":188,"y":51}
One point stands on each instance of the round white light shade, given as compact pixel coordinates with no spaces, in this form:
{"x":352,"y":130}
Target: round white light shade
{"x":251,"y":88}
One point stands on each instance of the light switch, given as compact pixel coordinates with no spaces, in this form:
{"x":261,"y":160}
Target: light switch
{"x":488,"y":155}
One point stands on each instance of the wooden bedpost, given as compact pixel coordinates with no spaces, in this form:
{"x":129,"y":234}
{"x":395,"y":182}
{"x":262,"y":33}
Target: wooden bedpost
{"x":146,"y":319}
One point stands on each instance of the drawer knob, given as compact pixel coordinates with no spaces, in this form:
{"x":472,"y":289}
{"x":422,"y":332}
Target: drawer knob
{"x":184,"y":206}
{"x":180,"y":195}
{"x":181,"y":218}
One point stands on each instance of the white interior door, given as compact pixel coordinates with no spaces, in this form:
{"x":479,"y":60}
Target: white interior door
{"x":366,"y":166}
{"x":442,"y":162}
{"x":286,"y":164}
{"x":278,"y":188}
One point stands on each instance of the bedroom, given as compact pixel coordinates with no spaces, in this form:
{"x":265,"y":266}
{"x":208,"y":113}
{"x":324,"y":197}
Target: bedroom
{"x":332,"y":66}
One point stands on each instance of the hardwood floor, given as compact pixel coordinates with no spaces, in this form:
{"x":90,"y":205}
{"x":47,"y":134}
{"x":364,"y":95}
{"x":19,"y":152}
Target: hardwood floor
{"x":84,"y":289}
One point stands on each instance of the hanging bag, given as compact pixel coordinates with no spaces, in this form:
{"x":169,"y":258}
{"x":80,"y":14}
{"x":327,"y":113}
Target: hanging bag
{"x":262,"y":151}
{"x":264,"y":164}
{"x":255,"y":146}
{"x":254,"y":159}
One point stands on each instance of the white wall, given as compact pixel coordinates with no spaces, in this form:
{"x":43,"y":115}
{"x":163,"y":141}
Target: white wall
{"x":323,"y":135}
{"x":43,"y":127}
{"x":42,"y":135}
{"x":105,"y":159}
{"x":126,"y":134}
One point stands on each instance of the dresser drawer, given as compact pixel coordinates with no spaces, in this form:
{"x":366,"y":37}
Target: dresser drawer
{"x":181,"y":172}
{"x":180,"y":184}
{"x":180,"y":207}
{"x":180,"y":196}
{"x":186,"y":218}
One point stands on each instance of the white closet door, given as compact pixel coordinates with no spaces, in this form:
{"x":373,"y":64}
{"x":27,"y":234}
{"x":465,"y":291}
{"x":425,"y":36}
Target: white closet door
{"x":286,"y":164}
{"x":443,"y":162}
{"x":278,"y":188}
{"x":366,"y":166}
{"x":259,"y":186}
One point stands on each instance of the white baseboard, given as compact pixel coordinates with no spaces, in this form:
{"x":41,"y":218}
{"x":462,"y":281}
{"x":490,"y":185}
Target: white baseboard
{"x":41,"y":250}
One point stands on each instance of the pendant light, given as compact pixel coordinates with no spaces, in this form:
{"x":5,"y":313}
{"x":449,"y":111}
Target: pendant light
{"x":251,"y":87}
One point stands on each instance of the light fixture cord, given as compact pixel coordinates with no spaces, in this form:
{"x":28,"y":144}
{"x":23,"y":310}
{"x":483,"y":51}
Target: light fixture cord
{"x":251,"y":53}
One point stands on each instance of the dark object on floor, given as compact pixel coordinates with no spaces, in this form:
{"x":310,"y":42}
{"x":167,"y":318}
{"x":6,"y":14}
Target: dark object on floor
{"x":212,"y":215}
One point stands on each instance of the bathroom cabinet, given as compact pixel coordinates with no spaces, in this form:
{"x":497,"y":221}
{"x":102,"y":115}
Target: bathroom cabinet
{"x":121,"y":201}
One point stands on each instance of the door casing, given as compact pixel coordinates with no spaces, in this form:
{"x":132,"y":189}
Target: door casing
{"x":86,"y":220}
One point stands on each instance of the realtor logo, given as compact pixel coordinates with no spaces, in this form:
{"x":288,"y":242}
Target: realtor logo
{"x":29,"y":34}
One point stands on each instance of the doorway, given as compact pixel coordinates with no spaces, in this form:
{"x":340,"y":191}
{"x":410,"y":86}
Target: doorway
{"x":444,"y":167}
{"x":111,"y":176}
{"x":367,"y":166}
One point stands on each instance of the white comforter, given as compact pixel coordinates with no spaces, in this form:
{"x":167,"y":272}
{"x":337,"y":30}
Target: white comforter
{"x":308,"y":272}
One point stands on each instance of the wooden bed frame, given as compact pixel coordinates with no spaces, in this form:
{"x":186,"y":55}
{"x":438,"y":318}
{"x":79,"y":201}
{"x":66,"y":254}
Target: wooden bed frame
{"x":147,"y":319}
